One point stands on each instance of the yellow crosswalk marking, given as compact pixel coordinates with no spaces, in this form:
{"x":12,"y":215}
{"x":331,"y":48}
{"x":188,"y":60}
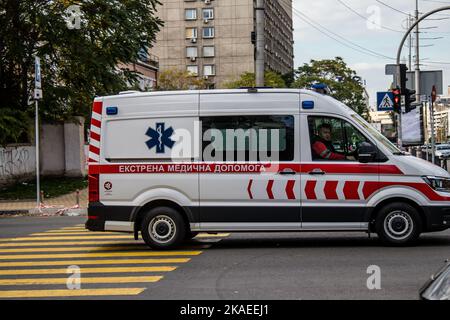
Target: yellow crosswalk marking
{"x":87,"y":270}
{"x":70,"y":293}
{"x":212,"y":235}
{"x":130,"y":236}
{"x":69,"y":233}
{"x":67,"y":243}
{"x":49,"y":281}
{"x":100,"y":255}
{"x":96,"y":249}
{"x":58,"y":234}
{"x":91,"y":262}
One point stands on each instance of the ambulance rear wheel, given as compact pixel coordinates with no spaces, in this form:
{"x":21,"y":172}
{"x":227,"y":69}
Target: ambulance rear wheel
{"x":398,"y":224}
{"x":163,"y":228}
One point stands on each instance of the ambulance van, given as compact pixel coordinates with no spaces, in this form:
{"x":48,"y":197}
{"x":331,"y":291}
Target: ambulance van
{"x":172,"y":164}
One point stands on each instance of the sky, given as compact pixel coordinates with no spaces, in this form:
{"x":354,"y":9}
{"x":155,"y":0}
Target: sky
{"x":370,"y":26}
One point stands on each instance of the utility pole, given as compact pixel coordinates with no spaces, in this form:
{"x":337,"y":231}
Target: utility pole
{"x":417,"y":69}
{"x":260,"y":43}
{"x":410,"y":44}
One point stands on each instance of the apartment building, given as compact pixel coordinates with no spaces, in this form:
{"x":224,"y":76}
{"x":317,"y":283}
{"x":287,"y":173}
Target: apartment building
{"x":212,"y":39}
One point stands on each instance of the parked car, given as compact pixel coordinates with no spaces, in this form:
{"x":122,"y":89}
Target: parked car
{"x":442,"y":151}
{"x":438,"y":286}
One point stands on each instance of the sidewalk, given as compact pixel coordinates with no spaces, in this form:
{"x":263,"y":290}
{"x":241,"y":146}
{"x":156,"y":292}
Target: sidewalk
{"x":65,"y":201}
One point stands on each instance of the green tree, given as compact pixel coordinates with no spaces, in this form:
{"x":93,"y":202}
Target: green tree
{"x":77,"y":63}
{"x":177,"y":79}
{"x":247,"y":79}
{"x":344,"y":83}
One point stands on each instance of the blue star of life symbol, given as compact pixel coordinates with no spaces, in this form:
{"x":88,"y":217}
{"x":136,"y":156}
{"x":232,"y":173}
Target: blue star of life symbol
{"x":160,"y":138}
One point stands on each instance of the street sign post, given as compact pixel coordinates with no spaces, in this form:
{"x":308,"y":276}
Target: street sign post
{"x":37,"y":97}
{"x":385,"y":101}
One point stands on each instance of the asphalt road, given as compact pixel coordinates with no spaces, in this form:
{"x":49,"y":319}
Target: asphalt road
{"x":223,"y":266}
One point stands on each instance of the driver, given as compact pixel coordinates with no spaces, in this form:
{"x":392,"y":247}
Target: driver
{"x":322,"y":145}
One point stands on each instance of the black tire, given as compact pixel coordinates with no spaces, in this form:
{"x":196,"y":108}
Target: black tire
{"x":398,"y":224}
{"x":163,"y":228}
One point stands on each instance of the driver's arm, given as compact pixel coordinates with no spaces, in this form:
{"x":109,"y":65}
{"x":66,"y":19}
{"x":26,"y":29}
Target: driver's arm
{"x":323,"y":152}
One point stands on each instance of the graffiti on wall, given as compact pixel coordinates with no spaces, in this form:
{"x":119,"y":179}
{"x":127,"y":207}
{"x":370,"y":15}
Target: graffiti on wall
{"x":16,"y":161}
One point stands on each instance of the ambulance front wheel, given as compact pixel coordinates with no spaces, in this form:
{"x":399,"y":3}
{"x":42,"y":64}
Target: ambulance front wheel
{"x":163,"y":228}
{"x":398,"y":224}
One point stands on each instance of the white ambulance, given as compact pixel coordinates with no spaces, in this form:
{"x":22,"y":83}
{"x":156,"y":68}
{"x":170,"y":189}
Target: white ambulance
{"x":172,"y":164}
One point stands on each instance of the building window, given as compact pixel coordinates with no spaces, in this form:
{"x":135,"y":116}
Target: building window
{"x":208,"y":14}
{"x":208,"y":51}
{"x":209,"y":70}
{"x":191,"y":52}
{"x":191,"y":33}
{"x":208,"y":32}
{"x":248,"y":138}
{"x":190,"y":14}
{"x":193,"y":70}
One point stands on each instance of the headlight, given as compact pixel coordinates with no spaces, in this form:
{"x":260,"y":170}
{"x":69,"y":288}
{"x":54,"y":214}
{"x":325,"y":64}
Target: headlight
{"x":438,"y":183}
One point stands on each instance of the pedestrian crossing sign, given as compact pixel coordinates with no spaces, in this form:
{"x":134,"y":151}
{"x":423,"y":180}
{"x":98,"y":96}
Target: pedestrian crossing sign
{"x":385,"y":101}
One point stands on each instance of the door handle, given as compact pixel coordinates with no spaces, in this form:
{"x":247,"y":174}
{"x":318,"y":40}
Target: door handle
{"x":288,"y":172}
{"x":316,"y":172}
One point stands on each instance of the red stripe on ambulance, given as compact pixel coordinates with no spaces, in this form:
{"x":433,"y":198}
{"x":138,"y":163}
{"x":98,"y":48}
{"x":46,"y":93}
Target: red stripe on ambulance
{"x":330,"y":190}
{"x":269,"y":189}
{"x":290,"y":189}
{"x":310,"y":190}
{"x":351,"y":190}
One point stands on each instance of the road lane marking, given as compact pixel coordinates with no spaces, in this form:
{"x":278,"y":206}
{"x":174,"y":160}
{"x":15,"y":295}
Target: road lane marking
{"x":95,"y":249}
{"x":70,"y":233}
{"x":100,"y":255}
{"x":70,"y":293}
{"x":68,"y":243}
{"x":67,"y":238}
{"x":84,"y":280}
{"x":91,"y":262}
{"x":87,"y":270}
{"x":49,"y":281}
{"x":209,"y":235}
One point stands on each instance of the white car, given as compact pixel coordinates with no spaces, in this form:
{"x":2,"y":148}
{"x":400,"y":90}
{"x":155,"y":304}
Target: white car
{"x":442,"y":151}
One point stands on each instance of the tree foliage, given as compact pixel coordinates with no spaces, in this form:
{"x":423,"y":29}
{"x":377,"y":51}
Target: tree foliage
{"x":177,"y":79}
{"x":77,"y":63}
{"x":247,"y":79}
{"x":344,"y":83}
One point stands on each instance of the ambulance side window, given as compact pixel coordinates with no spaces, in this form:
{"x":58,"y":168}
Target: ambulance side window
{"x":333,"y":139}
{"x":248,"y":138}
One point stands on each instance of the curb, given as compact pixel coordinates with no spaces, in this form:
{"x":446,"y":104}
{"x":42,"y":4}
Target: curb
{"x":56,"y":211}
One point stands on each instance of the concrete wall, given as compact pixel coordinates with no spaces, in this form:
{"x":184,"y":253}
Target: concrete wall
{"x":74,"y":148}
{"x":52,"y":154}
{"x":16,"y":163}
{"x":62,"y":153}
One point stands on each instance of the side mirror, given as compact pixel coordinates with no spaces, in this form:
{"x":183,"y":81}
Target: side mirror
{"x":366,"y":152}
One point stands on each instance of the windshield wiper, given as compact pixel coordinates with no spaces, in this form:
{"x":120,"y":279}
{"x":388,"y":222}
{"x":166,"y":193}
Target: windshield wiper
{"x":400,"y":153}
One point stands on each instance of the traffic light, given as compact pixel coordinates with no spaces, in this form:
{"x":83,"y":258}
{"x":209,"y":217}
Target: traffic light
{"x":397,"y":100}
{"x":410,"y":97}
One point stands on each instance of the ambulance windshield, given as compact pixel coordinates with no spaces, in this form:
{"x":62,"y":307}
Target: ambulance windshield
{"x":377,"y":135}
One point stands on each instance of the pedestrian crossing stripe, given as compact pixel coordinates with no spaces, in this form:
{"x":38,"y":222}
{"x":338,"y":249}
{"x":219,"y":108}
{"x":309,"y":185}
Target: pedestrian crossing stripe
{"x":130,"y":236}
{"x":66,"y":249}
{"x":87,"y":270}
{"x":100,"y":255}
{"x":92,"y":262}
{"x":81,"y":247}
{"x":70,"y":293}
{"x":83,"y":280}
{"x":66,"y":243}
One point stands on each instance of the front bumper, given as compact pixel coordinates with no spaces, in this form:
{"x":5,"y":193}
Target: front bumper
{"x":438,"y":218}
